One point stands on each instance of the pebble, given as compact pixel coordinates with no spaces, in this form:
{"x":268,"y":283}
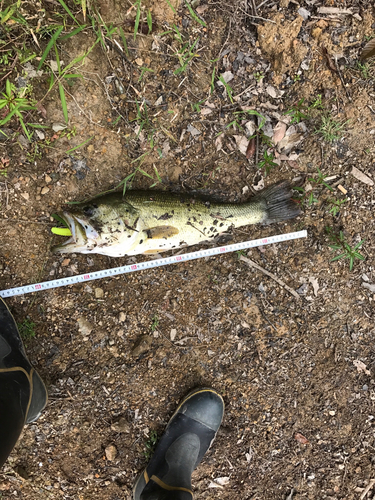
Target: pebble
{"x":47,"y":178}
{"x":26,"y":196}
{"x":45,"y":190}
{"x":121,"y":426}
{"x":122,"y":317}
{"x":142,"y":345}
{"x":99,"y":293}
{"x":111,"y":452}
{"x":85,"y":327}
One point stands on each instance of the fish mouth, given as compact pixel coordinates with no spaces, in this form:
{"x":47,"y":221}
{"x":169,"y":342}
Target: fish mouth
{"x":78,"y":241}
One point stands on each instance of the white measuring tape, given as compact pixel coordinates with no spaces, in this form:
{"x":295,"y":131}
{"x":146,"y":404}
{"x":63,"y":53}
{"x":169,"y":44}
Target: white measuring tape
{"x":46,"y":285}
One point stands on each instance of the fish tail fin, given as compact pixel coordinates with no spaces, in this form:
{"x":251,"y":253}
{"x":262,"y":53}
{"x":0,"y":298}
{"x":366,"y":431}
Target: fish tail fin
{"x":278,"y":203}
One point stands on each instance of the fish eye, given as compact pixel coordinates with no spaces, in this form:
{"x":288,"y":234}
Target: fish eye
{"x":88,"y":210}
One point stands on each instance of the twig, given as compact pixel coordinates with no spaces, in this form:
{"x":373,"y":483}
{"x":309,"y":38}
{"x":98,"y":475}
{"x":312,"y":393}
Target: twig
{"x":257,"y":151}
{"x":267,"y":273}
{"x":367,"y":489}
{"x":254,"y":7}
{"x":342,"y":80}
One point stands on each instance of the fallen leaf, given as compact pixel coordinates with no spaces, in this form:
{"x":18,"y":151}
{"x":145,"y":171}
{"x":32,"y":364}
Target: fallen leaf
{"x":301,"y":438}
{"x":361,"y":367}
{"x":315,"y":285}
{"x":279,"y":132}
{"x":201,"y":8}
{"x":219,"y":143}
{"x":222,"y":480}
{"x":328,"y":59}
{"x":368,"y":50}
{"x":42,"y":110}
{"x":289,"y":142}
{"x":361,"y":176}
{"x":241,"y":142}
{"x":251,"y":147}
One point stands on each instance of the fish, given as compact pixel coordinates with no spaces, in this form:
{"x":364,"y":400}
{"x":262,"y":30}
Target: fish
{"x":150,"y":222}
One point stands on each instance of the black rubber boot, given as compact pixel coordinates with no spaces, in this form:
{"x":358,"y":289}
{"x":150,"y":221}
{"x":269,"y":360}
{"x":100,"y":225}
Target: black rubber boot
{"x":188,"y":436}
{"x":22,"y":392}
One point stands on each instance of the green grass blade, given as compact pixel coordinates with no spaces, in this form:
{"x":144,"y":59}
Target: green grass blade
{"x":50,"y":45}
{"x":79,"y":145}
{"x":63,"y":102}
{"x":149,"y":21}
{"x":194,"y":15}
{"x":137,"y":18}
{"x":63,"y":4}
{"x":339,"y":257}
{"x":171,"y":7}
{"x":74,"y":32}
{"x":124,"y":42}
{"x":358,"y":244}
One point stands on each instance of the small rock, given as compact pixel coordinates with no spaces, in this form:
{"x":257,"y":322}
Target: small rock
{"x":173,"y":334}
{"x":121,"y":426}
{"x":305,"y":14}
{"x":41,"y":135}
{"x":85,"y":327}
{"x":194,"y":131}
{"x":361,"y":176}
{"x":26,"y":196}
{"x":25,"y":143}
{"x":47,"y":178}
{"x":99,"y":293}
{"x":65,"y":262}
{"x":57,"y":127}
{"x":45,"y":190}
{"x":122,"y":317}
{"x":142,"y":345}
{"x":111,"y":452}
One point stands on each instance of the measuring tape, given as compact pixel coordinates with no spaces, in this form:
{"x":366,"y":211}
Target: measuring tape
{"x":46,"y":285}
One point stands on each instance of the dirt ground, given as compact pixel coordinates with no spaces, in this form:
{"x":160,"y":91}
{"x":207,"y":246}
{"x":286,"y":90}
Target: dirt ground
{"x":296,"y":370}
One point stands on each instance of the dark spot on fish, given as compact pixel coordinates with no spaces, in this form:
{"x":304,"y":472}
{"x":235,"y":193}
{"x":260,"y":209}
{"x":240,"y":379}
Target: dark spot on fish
{"x":222,"y":224}
{"x":165,"y":216}
{"x":194,"y":219}
{"x":149,"y":234}
{"x":208,"y":204}
{"x":212,"y":229}
{"x":215,"y":222}
{"x":129,"y":235}
{"x":141,"y":242}
{"x":172,"y":212}
{"x":119,"y":223}
{"x":89,"y":210}
{"x":201,"y":223}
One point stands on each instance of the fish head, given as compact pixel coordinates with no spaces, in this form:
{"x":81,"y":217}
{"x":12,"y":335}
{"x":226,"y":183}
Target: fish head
{"x":100,"y":226}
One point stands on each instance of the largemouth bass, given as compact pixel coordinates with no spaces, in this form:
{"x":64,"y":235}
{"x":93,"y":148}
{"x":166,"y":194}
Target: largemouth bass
{"x":147,"y":222}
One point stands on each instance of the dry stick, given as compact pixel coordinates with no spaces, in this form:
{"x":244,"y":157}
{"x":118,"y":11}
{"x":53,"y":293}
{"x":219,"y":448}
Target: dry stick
{"x":342,"y":80}
{"x":367,"y":489}
{"x":267,"y":273}
{"x":254,"y":7}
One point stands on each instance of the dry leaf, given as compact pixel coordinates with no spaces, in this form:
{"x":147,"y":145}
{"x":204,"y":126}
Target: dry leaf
{"x":279,"y":132}
{"x":361,"y":367}
{"x":289,"y":142}
{"x":241,"y":142}
{"x":301,"y":438}
{"x":368,"y":50}
{"x":315,"y":285}
{"x":250,"y":151}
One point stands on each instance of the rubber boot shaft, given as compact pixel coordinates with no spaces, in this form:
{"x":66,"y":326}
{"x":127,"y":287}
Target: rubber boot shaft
{"x":22,"y":392}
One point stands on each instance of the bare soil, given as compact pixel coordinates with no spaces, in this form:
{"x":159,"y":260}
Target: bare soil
{"x":117,"y":355}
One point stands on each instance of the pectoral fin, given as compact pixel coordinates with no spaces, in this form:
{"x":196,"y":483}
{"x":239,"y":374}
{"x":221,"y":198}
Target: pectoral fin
{"x":160,"y":232}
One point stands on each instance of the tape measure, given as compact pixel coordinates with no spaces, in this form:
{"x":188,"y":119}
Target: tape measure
{"x":175,"y":259}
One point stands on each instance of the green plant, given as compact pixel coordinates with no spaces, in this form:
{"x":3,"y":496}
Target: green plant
{"x":298,"y":112}
{"x":150,"y":444}
{"x":258,"y":76}
{"x":240,"y":253}
{"x":330,"y":129}
{"x":267,"y":162}
{"x":335,"y":205}
{"x":194,"y":15}
{"x":228,"y":88}
{"x":127,"y":182}
{"x":320,"y":179}
{"x":15,"y":103}
{"x":26,"y":329}
{"x":339,"y":243}
{"x":306,"y":199}
{"x":296,"y":78}
{"x":155,"y":322}
{"x":364,"y":69}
